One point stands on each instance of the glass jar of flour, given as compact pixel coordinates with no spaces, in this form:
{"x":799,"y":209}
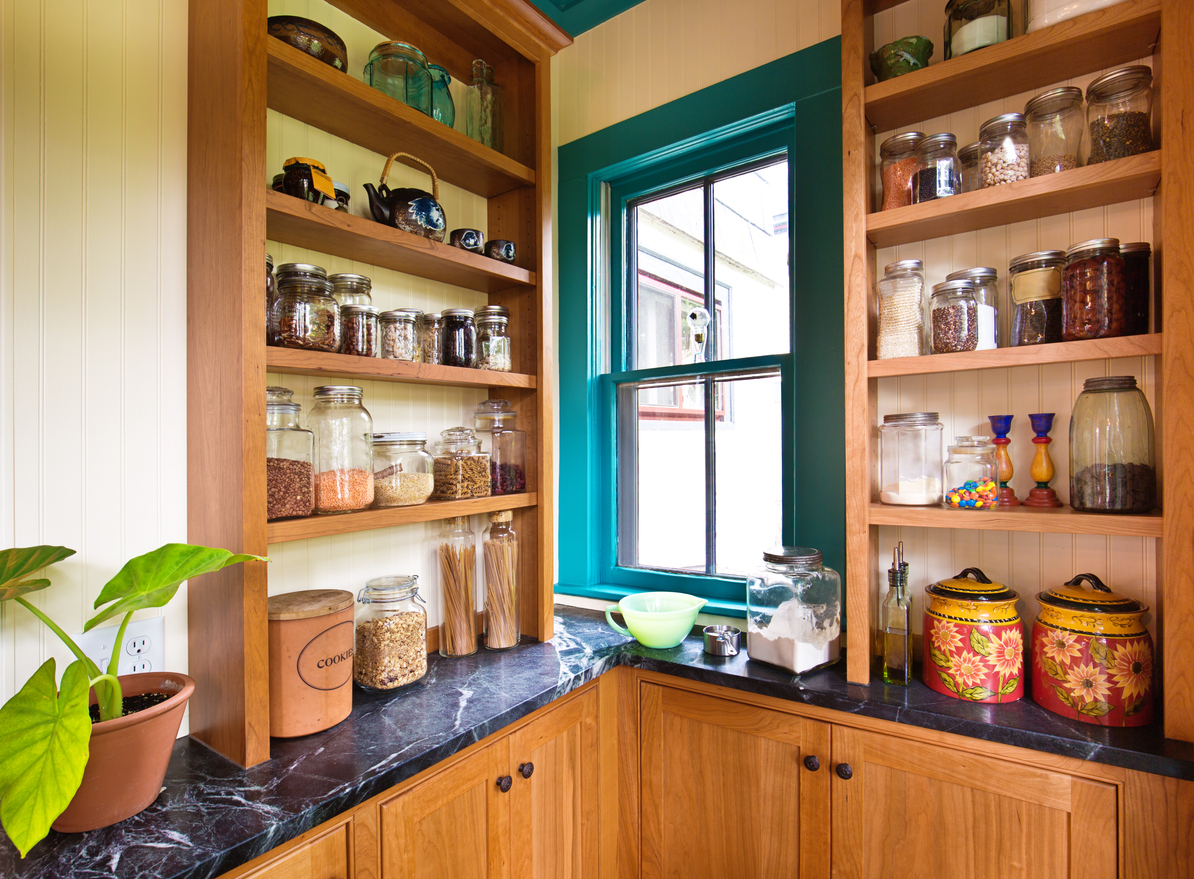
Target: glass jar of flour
{"x":794,"y":610}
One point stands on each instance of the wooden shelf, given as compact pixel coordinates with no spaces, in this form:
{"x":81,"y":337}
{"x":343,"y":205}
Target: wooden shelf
{"x":367,"y":520}
{"x":1097,"y":40}
{"x":295,"y":361}
{"x":1025,"y":355}
{"x":336,"y":102}
{"x":1093,"y":186}
{"x":306,"y":224}
{"x":1058,"y":520}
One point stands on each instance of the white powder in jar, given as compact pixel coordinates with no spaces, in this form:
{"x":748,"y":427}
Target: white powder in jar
{"x":794,"y":640}
{"x":912,"y":492}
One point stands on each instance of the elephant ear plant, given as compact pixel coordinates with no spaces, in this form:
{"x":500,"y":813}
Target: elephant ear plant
{"x":45,"y":728}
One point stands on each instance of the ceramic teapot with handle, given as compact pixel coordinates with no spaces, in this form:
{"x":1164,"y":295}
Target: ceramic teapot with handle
{"x":411,"y":210}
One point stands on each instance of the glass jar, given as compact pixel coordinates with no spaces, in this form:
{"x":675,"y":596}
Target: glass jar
{"x":975,"y":24}
{"x":968,"y":159}
{"x":1055,"y":121}
{"x":304,"y":314}
{"x":429,"y":335}
{"x":1034,"y":286}
{"x":1112,"y":468}
{"x":461,"y":468}
{"x":1119,"y":114}
{"x":972,"y":474}
{"x":794,"y":610}
{"x":494,"y":422}
{"x":1003,"y":150}
{"x":275,"y":394}
{"x":1042,"y":13}
{"x":307,"y":179}
{"x":351,"y":289}
{"x":897,"y":156}
{"x":938,"y":171}
{"x":400,"y":334}
{"x":1093,"y":293}
{"x":986,"y":294}
{"x":500,"y":551}
{"x":1136,"y":276}
{"x":901,"y":310}
{"x":269,"y":296}
{"x":391,"y":634}
{"x":910,"y":459}
{"x":954,"y":317}
{"x":402,"y":469}
{"x":443,"y":108}
{"x":458,"y":338}
{"x":400,"y":70}
{"x":494,"y":350}
{"x":483,"y":119}
{"x":358,"y":330}
{"x":289,"y":462}
{"x":456,"y":554}
{"x":343,"y":432}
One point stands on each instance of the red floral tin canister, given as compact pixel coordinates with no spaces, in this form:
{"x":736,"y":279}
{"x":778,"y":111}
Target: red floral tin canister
{"x":1092,"y":657}
{"x":973,"y":639}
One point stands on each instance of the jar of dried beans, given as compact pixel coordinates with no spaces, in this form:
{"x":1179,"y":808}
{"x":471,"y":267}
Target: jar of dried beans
{"x":429,"y":336}
{"x":897,"y":155}
{"x":1003,"y":150}
{"x":1112,"y":466}
{"x":494,"y":421}
{"x":400,"y":334}
{"x":1034,"y":284}
{"x":1119,"y":114}
{"x":461,"y":468}
{"x":402,"y":469}
{"x":458,"y":338}
{"x":358,"y":330}
{"x":954,"y":317}
{"x":304,"y":314}
{"x":500,"y":555}
{"x":901,"y":310}
{"x":986,"y":295}
{"x":456,"y":553}
{"x":493,"y":338}
{"x":1055,"y":121}
{"x":938,"y":172}
{"x":1136,"y":285}
{"x":343,"y":432}
{"x":289,"y":461}
{"x":350,"y":289}
{"x":391,"y":634}
{"x":1093,"y":292}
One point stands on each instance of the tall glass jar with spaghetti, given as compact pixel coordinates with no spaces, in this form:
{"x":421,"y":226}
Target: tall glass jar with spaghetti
{"x":500,"y":552}
{"x":456,"y":555}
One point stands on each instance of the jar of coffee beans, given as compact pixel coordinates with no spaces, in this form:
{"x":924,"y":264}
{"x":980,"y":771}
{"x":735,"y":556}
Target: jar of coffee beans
{"x":954,"y":317}
{"x":1034,"y":282}
{"x":1119,"y":114}
{"x":1003,"y":150}
{"x":1112,"y":468}
{"x":1093,"y":291}
{"x":938,"y":171}
{"x":1136,"y":285}
{"x":458,"y":338}
{"x":1055,"y":121}
{"x":304,"y":314}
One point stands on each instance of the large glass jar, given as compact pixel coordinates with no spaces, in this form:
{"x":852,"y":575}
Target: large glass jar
{"x":289,"y":462}
{"x":1055,"y":121}
{"x":269,"y":296}
{"x":483,"y":118}
{"x":910,"y":459}
{"x":458,"y":338}
{"x":1119,"y":114}
{"x":1034,"y":286}
{"x":1042,"y":13}
{"x":400,"y":70}
{"x":304,"y":314}
{"x":402,"y":469}
{"x":429,"y":335}
{"x":358,"y":330}
{"x":972,"y":474}
{"x":343,"y":432}
{"x":1112,"y":468}
{"x":971,"y":175}
{"x":1136,"y":285}
{"x":1093,"y":293}
{"x":897,"y":155}
{"x":500,"y":551}
{"x":954,"y":317}
{"x":400,"y":334}
{"x":351,"y":289}
{"x":443,"y":108}
{"x":938,"y":171}
{"x":493,"y":338}
{"x":975,"y":24}
{"x":794,"y":610}
{"x":494,"y":422}
{"x":391,"y":634}
{"x":986,"y":294}
{"x":1003,"y":150}
{"x":461,"y":469}
{"x":901,"y":310}
{"x":456,"y":552}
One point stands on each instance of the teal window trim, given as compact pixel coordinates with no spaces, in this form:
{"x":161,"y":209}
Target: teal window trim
{"x":801,"y":96}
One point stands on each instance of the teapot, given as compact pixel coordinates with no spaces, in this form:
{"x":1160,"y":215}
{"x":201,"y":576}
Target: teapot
{"x":411,"y":210}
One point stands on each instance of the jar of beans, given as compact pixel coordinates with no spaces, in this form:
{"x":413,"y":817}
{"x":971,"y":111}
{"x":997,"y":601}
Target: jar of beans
{"x":461,"y":468}
{"x":1055,"y":121}
{"x":938,"y":171}
{"x":304,"y":314}
{"x":358,"y":330}
{"x":269,"y":296}
{"x":1003,"y":150}
{"x":1034,"y":282}
{"x":350,"y":289}
{"x":402,"y":469}
{"x":429,"y":334}
{"x":954,"y":317}
{"x":1119,"y":114}
{"x":897,"y":156}
{"x":493,"y":338}
{"x":968,"y":158}
{"x":289,"y":460}
{"x":986,"y":293}
{"x":400,"y":334}
{"x":1112,"y":467}
{"x":343,"y":432}
{"x":1093,"y":291}
{"x":458,"y":338}
{"x":1136,"y":284}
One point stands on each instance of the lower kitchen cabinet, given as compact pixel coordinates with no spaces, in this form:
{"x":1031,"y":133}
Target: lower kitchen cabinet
{"x":321,"y":853}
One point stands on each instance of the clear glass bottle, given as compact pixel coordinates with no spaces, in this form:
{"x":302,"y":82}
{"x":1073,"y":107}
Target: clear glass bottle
{"x":269,"y":297}
{"x":897,"y":157}
{"x":896,"y":623}
{"x":402,"y":469}
{"x":1112,"y":464}
{"x":400,"y":334}
{"x":391,"y":634}
{"x":499,"y":549}
{"x":972,"y":474}
{"x":458,"y":338}
{"x":901,"y":310}
{"x":343,"y":432}
{"x":1003,"y":150}
{"x":289,"y":461}
{"x":938,"y":171}
{"x":304,"y":314}
{"x":1093,"y":290}
{"x":975,"y":24}
{"x":494,"y":350}
{"x":351,"y":289}
{"x":793,"y":610}
{"x":494,"y":422}
{"x":1119,"y":114}
{"x":986,"y":294}
{"x":484,"y":121}
{"x":1055,"y":121}
{"x":358,"y":330}
{"x":910,"y":459}
{"x":429,"y":335}
{"x":954,"y":317}
{"x":1034,"y":286}
{"x":400,"y":70}
{"x":443,"y":108}
{"x":461,"y":469}
{"x":1136,"y":256}
{"x":456,"y":553}
{"x":968,"y":159}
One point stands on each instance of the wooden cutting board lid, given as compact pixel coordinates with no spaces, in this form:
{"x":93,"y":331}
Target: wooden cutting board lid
{"x":308,"y":603}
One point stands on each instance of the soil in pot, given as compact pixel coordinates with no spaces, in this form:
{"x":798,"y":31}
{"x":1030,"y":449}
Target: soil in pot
{"x":132,"y":704}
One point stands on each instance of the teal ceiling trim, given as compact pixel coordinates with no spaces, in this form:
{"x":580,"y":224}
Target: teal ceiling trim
{"x":578,"y":16}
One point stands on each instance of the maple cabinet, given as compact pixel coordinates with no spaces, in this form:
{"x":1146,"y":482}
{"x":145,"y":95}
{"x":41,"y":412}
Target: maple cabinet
{"x":322,"y":853}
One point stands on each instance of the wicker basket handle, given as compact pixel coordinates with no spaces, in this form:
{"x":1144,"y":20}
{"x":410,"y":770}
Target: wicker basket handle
{"x":385,"y":172}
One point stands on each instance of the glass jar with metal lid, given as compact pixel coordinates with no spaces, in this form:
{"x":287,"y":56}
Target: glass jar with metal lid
{"x":1119,"y":114}
{"x":986,"y":293}
{"x":358,"y":330}
{"x":910,"y":459}
{"x":968,"y":159}
{"x":1003,"y":150}
{"x":429,"y":336}
{"x":975,"y":24}
{"x":391,"y":634}
{"x":304,"y":314}
{"x":402,"y":469}
{"x":493,"y":338}
{"x":1034,"y":285}
{"x":289,"y":459}
{"x":971,"y":474}
{"x":400,"y":70}
{"x":1112,"y":465}
{"x":351,"y":289}
{"x":269,"y":296}
{"x":343,"y":432}
{"x":1055,"y":121}
{"x":793,"y":610}
{"x":938,"y":171}
{"x":954,"y":317}
{"x":458,"y":338}
{"x":1136,"y":285}
{"x":1093,"y":293}
{"x":901,"y":310}
{"x":400,"y":334}
{"x":897,"y":156}
{"x":499,"y":549}
{"x":461,"y":468}
{"x":456,"y":555}
{"x":494,"y":421}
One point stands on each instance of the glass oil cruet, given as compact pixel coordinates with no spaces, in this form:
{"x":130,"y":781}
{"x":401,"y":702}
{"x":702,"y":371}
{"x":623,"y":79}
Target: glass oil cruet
{"x":896,"y":615}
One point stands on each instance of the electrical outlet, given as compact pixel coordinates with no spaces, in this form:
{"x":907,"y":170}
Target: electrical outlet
{"x":144,"y":647}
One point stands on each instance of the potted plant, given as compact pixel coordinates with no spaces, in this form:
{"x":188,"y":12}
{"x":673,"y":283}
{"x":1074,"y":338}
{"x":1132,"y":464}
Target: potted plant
{"x":65,"y":761}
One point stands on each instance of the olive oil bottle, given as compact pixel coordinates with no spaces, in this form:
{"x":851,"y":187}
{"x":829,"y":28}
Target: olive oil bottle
{"x":896,"y":617}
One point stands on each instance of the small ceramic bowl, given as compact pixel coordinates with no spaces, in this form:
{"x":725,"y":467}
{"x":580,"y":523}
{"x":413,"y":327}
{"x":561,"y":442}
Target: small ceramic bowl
{"x":467,"y":239}
{"x":500,"y":248}
{"x":311,"y":37}
{"x":656,"y":619}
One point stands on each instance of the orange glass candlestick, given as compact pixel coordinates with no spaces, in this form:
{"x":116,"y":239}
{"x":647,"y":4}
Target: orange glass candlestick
{"x":1001,"y":425}
{"x":1042,"y":465}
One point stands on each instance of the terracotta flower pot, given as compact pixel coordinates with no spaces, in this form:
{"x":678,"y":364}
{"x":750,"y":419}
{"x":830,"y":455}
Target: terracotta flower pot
{"x":128,"y":755}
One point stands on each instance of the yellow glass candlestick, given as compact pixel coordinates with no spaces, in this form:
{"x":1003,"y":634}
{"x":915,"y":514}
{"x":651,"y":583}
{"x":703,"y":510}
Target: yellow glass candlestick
{"x":1042,"y":465}
{"x":1001,"y":425}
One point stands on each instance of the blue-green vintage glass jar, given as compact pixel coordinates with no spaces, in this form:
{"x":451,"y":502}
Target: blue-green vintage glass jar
{"x":400,"y":70}
{"x":443,"y":108}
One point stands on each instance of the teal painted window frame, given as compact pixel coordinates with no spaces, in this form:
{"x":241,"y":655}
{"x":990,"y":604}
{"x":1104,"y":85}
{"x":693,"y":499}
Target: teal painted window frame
{"x":793,"y":104}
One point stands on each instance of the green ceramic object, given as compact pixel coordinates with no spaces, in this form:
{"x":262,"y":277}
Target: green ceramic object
{"x":657,"y":619}
{"x":902,"y":56}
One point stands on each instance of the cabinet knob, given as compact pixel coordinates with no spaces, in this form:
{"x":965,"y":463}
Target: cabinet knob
{"x":844,"y":771}
{"x":504,"y":783}
{"x":811,"y":763}
{"x":526,"y":769}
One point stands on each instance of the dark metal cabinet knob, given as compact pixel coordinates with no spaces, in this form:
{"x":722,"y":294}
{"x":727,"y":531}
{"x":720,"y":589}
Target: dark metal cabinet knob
{"x":811,"y":763}
{"x":844,"y":771}
{"x":504,"y":783}
{"x":526,"y":769}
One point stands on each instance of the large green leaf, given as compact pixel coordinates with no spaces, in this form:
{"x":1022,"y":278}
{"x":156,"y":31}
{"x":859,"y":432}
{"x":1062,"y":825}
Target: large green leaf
{"x":19,"y":561}
{"x":44,"y":735}
{"x":151,"y":580}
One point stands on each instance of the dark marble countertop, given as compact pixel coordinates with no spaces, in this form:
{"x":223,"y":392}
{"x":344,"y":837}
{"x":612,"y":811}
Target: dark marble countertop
{"x":214,"y":816}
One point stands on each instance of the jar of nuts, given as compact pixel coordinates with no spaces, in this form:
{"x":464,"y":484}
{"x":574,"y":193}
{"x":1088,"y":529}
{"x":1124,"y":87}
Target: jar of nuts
{"x":1003,"y":150}
{"x":391,"y":634}
{"x":400,"y":334}
{"x":461,"y":468}
{"x":304,"y":314}
{"x":1093,"y":292}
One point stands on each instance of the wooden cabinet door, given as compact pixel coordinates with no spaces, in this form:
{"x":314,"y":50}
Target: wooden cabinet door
{"x":556,"y":809}
{"x":911,"y":809}
{"x":454,"y":825}
{"x":325,"y":857}
{"x":725,"y":791}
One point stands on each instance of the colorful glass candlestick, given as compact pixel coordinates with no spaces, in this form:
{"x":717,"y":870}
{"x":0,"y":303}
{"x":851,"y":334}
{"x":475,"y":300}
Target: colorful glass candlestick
{"x":1001,"y":425}
{"x":1042,"y":465}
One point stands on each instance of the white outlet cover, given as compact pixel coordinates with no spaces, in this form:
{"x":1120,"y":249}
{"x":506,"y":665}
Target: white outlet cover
{"x":144,"y":647}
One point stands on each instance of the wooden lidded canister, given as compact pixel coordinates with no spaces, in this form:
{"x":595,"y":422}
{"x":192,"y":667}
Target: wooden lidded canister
{"x":310,"y":661}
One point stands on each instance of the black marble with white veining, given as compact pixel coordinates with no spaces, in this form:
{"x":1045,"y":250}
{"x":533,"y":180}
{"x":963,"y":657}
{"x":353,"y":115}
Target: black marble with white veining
{"x":213,"y":816}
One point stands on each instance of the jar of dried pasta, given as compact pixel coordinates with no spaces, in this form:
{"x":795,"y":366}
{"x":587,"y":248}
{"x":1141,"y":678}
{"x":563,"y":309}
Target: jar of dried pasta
{"x":461,"y":469}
